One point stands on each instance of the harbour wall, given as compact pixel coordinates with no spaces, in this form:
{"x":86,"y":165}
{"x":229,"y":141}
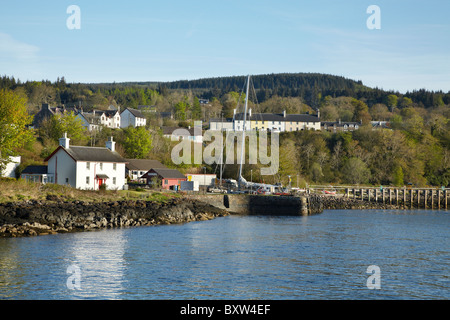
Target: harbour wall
{"x":245,"y":204}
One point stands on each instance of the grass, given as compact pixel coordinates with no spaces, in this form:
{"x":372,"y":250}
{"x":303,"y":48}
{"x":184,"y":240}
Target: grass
{"x":19,"y":190}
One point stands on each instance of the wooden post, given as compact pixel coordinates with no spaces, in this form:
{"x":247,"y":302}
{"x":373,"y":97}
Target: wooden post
{"x":354,"y":193}
{"x":376,"y":195}
{"x":404,"y":197}
{"x":445,"y":201}
{"x":432,"y":199}
{"x":425,"y":201}
{"x":362,"y":194}
{"x":418,"y":198}
{"x":368,"y":194}
{"x":439,"y":199}
{"x":390,"y":196}
{"x":396,"y":196}
{"x":382,"y":191}
{"x":348,"y":193}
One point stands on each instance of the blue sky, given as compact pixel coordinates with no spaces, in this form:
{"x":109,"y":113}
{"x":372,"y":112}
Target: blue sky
{"x":174,"y":40}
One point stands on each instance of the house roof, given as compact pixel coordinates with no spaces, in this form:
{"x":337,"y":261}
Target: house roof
{"x":192,"y":132}
{"x":338,"y":123}
{"x":278,"y":117}
{"x":167,"y":173}
{"x":143,"y":164}
{"x":35,"y":170}
{"x":94,"y":154}
{"x":134,"y":112}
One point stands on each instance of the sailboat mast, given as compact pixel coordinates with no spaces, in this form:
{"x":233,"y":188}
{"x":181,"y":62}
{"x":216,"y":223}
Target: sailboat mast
{"x":243,"y":134}
{"x":221,"y":153}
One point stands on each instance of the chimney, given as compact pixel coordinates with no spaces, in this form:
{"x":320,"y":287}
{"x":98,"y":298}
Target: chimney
{"x":64,"y":141}
{"x":318,"y":114}
{"x":249,"y":113}
{"x":284,"y":113}
{"x":110,"y":144}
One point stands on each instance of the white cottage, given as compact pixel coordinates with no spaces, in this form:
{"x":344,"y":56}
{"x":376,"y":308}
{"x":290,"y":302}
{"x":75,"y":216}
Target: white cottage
{"x":132,"y":117}
{"x":87,"y":168}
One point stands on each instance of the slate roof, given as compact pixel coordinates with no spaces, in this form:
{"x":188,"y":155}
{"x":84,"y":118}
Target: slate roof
{"x":192,"y":132}
{"x":94,"y":154}
{"x":143,"y":164}
{"x":167,"y":173}
{"x":35,"y":170}
{"x":134,"y":112}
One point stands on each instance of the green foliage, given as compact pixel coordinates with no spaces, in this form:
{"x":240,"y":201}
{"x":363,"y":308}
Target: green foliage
{"x":196,"y":110}
{"x":181,"y":109}
{"x":398,"y":177}
{"x":137,"y":142}
{"x":54,"y":128}
{"x":13,"y":124}
{"x":355,"y":171}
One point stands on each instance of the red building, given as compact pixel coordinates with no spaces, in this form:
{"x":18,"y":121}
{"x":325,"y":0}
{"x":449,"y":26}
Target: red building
{"x":166,"y":178}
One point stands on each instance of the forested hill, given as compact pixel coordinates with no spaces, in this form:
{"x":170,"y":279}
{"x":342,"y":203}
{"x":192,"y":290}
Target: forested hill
{"x":312,"y":87}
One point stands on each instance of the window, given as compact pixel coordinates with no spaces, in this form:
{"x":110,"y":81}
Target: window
{"x":88,"y":165}
{"x":67,"y":180}
{"x":87,"y":180}
{"x":101,"y":166}
{"x":114,"y":166}
{"x":114,"y":180}
{"x":166,"y":182}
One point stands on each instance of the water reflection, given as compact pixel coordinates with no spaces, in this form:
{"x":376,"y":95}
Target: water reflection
{"x":100,"y":258}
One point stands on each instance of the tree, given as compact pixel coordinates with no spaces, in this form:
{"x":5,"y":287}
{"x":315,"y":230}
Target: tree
{"x":196,"y":110}
{"x":54,"y":128}
{"x":361,"y":112}
{"x":398,"y":177}
{"x":355,"y":171}
{"x":137,"y":143}
{"x":14,"y":120}
{"x":392,"y":101}
{"x":181,"y":109}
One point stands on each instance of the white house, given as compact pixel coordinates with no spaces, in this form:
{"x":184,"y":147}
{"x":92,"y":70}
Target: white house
{"x":221,"y":124}
{"x":110,"y":118}
{"x":176,"y":133}
{"x":132,"y":117}
{"x":87,"y":168}
{"x":10,"y":169}
{"x":97,"y":118}
{"x":89,"y":120}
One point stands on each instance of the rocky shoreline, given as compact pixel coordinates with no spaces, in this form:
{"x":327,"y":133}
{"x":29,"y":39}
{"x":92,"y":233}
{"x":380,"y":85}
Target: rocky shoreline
{"x":31,"y":218}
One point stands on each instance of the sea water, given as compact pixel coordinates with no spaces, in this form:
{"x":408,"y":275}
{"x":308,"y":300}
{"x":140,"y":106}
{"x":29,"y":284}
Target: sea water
{"x":338,"y":254}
